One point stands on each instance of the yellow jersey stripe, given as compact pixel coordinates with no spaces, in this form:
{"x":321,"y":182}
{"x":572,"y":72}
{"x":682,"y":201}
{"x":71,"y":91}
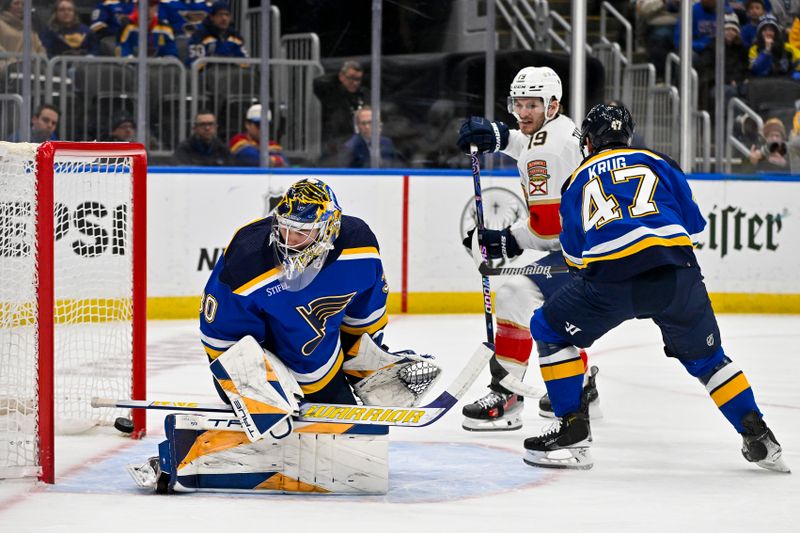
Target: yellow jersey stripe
{"x":681,"y":240}
{"x":361,"y":250}
{"x":372,"y":328}
{"x":251,"y":285}
{"x":310,"y":388}
{"x":212,"y":353}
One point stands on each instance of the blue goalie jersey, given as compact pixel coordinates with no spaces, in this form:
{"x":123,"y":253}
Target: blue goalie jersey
{"x":311,"y":330}
{"x":627,"y":211}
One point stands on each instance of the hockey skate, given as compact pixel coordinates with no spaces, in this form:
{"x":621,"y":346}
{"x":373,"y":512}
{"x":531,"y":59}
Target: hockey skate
{"x":150,"y":476}
{"x":759,"y":445}
{"x":589,"y":397}
{"x":497,"y":411}
{"x":564,"y":445}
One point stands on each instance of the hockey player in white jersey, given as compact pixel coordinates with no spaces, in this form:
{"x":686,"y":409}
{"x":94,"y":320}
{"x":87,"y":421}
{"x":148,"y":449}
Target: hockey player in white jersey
{"x":547,"y":150}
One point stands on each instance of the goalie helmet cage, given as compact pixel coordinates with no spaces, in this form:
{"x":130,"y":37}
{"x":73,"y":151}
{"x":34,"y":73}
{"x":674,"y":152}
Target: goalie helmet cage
{"x":72,"y":293}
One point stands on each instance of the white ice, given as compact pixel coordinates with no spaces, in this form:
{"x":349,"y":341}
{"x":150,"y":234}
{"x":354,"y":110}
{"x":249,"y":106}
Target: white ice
{"x":665,"y":458}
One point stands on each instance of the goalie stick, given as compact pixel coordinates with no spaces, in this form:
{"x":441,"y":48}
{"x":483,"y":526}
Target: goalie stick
{"x":487,"y":291}
{"x":340,"y":413}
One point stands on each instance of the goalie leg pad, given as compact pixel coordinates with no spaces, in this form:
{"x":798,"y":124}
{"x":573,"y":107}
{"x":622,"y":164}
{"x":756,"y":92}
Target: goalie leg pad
{"x":314,"y":458}
{"x":260,"y":388}
{"x":399,"y":379}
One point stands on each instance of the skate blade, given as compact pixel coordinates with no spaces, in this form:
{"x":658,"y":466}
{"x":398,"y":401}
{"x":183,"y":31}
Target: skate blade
{"x":143,"y":475}
{"x":594,"y":412}
{"x":776,"y":465}
{"x":578,"y":459}
{"x":470,"y":424}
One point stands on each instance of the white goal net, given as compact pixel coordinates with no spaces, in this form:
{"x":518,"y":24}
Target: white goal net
{"x":78,"y":335}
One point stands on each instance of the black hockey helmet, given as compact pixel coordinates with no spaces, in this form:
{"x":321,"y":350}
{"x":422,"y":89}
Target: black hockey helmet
{"x":607,"y":125}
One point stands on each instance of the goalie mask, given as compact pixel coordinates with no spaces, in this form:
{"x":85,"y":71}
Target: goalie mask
{"x":535,"y":82}
{"x":305,"y":223}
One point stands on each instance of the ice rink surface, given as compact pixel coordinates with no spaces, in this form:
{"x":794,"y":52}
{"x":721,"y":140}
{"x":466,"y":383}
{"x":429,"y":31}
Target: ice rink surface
{"x":665,"y":458}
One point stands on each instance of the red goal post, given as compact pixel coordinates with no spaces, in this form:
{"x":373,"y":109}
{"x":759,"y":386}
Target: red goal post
{"x":73,"y":297}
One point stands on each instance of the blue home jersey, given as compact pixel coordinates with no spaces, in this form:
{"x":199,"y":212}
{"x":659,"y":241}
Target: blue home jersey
{"x":110,"y":16}
{"x":627,"y":211}
{"x":311,"y":330}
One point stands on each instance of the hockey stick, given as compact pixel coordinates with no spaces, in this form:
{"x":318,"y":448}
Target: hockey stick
{"x":339,"y":413}
{"x":487,"y":292}
{"x":534,"y":269}
{"x":510,"y":382}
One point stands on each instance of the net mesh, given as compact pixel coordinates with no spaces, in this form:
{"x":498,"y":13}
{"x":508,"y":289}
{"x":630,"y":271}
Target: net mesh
{"x":93,"y":296}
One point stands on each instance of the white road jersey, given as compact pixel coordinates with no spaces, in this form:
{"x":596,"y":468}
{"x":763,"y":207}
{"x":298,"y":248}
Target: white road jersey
{"x":545,"y":161}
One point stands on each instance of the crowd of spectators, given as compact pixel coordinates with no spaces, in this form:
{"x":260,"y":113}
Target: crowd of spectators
{"x":186,"y":29}
{"x":762,"y":41}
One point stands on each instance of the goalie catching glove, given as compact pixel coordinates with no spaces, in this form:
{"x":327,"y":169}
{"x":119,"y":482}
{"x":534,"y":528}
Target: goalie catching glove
{"x":500,"y":244}
{"x":486,"y":135}
{"x":399,"y":378}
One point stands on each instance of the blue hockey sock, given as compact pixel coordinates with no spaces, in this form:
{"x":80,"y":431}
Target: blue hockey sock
{"x":727,"y":385}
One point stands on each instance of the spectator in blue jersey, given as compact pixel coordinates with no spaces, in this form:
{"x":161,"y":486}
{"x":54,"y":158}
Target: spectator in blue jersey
{"x":356,"y":151}
{"x":215,"y":37}
{"x":245,"y":146}
{"x":65,"y":35}
{"x":629,"y":221}
{"x":755,"y":9}
{"x":704,"y":27}
{"x":160,"y":37}
{"x":770,"y":54}
{"x":110,"y":16}
{"x":185,"y":15}
{"x":203,"y":148}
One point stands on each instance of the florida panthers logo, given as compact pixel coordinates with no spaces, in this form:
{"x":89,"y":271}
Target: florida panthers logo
{"x":317,"y":313}
{"x":537,"y":177}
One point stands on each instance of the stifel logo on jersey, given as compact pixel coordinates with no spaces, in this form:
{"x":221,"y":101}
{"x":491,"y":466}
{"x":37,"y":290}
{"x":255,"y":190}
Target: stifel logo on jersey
{"x":537,"y":177}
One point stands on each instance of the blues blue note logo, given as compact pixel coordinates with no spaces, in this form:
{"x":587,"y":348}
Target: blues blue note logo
{"x":317,"y":313}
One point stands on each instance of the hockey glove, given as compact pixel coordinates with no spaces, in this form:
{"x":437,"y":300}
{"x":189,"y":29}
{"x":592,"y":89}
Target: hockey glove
{"x":487,"y":136}
{"x":500,"y":244}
